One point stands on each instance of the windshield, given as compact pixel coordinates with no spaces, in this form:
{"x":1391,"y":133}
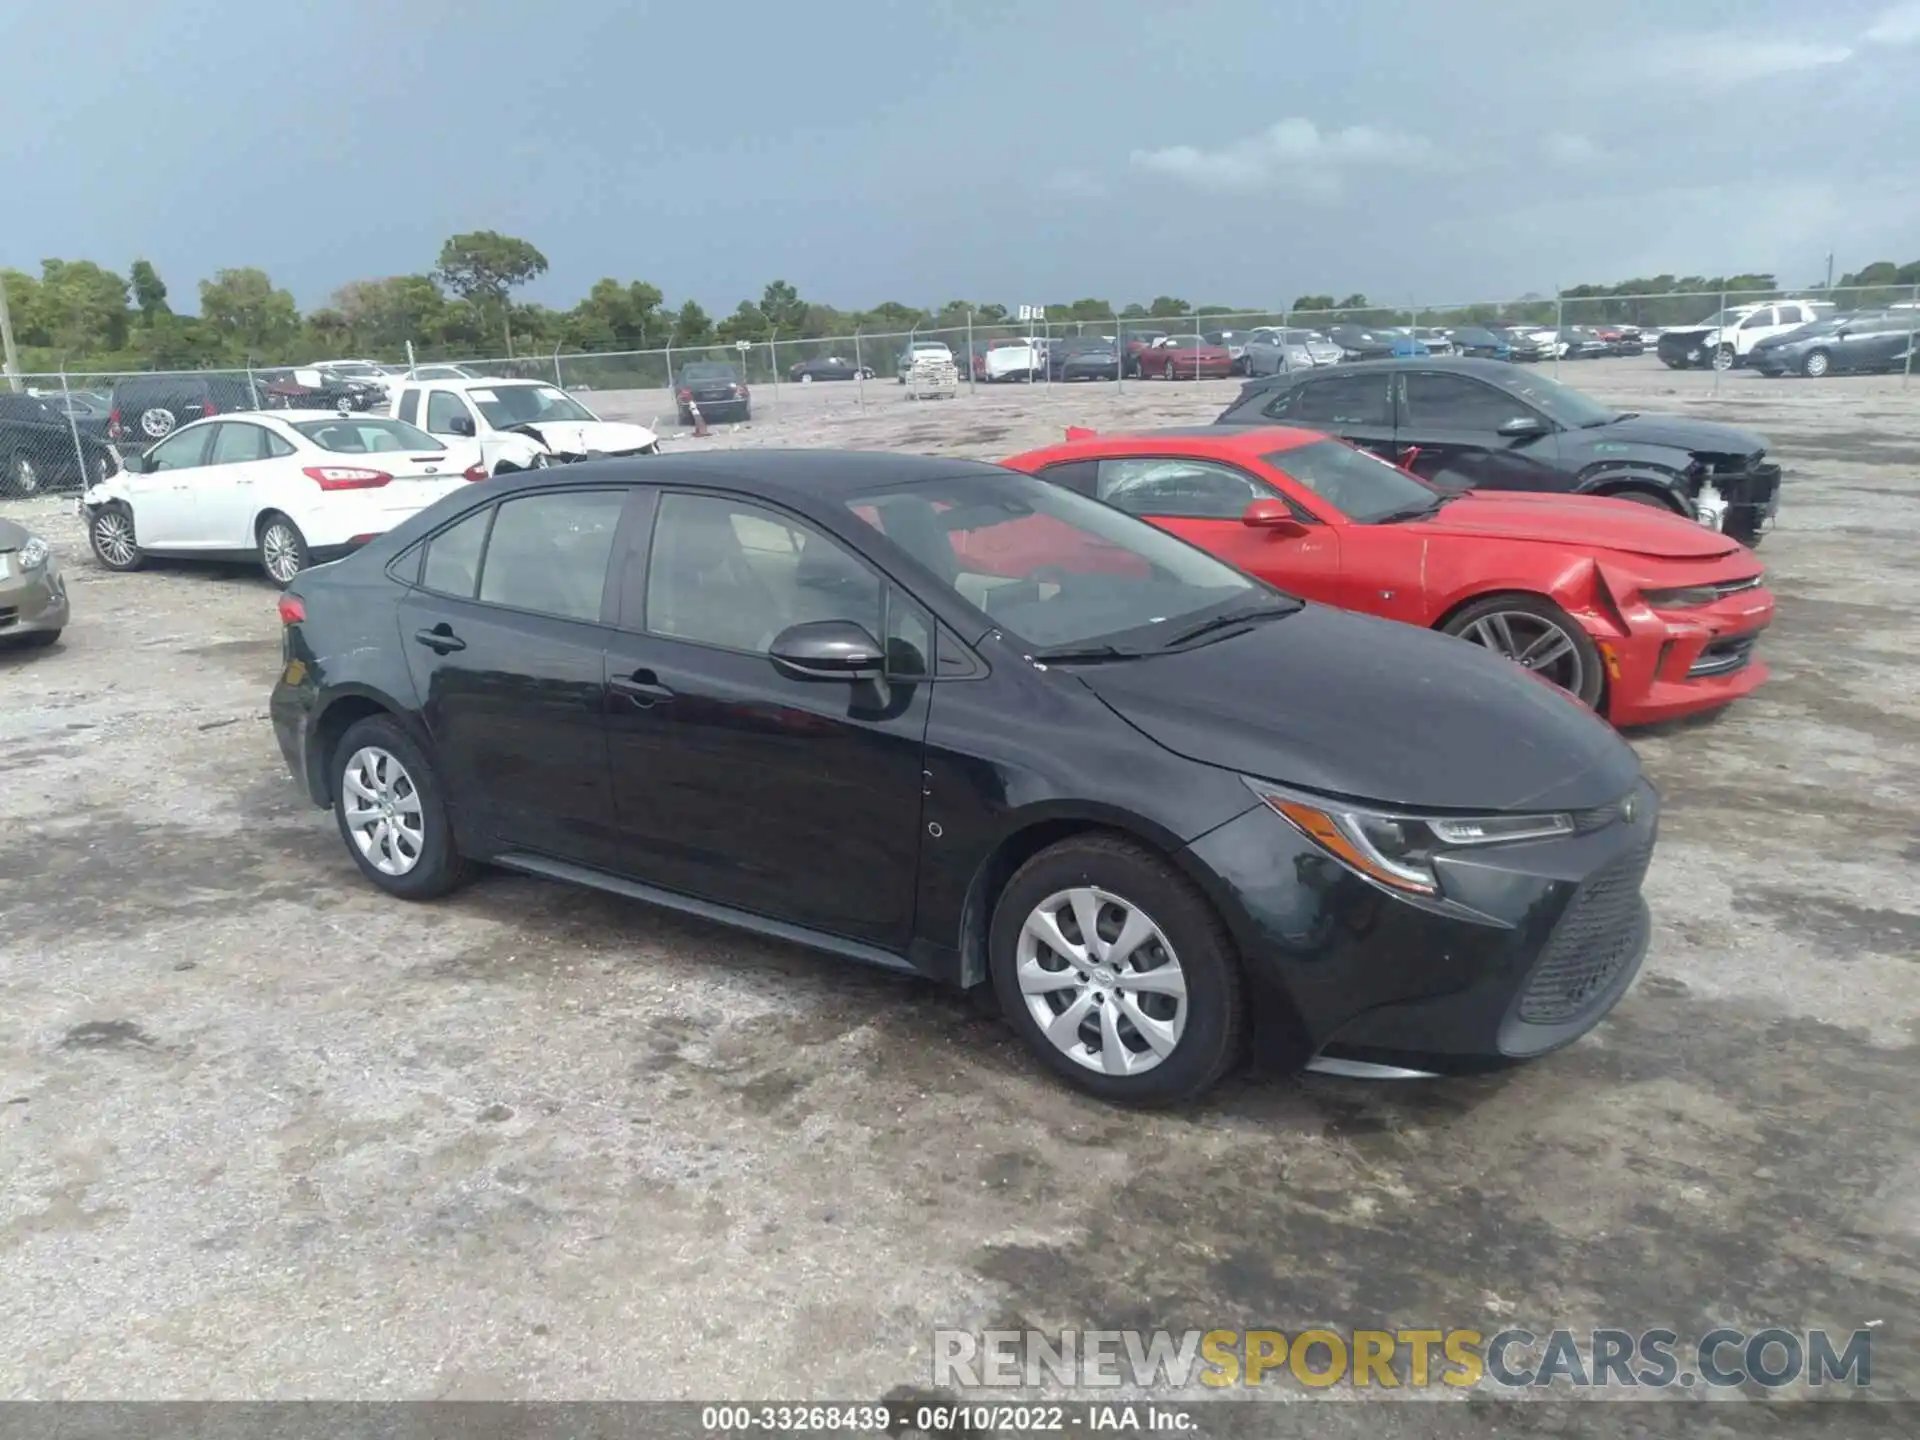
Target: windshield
{"x":360,"y":435}
{"x":1723,"y":319}
{"x":1360,"y":486}
{"x":1050,"y":566}
{"x":354,"y":368}
{"x":527,"y":404}
{"x":1562,"y":404}
{"x":708,"y":370}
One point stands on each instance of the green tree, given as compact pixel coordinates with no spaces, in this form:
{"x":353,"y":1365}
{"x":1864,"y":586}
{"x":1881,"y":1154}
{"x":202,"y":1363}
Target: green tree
{"x":149,"y":292}
{"x":252,"y":319}
{"x":746,"y":323}
{"x":1313,"y":302}
{"x":81,"y":308}
{"x":1355,"y":301}
{"x":1165,"y":307}
{"x":384,"y":315}
{"x":991,"y":315}
{"x":1134,"y":311}
{"x":618,"y":317}
{"x":691,"y":326}
{"x":785,"y":311}
{"x":482,"y":266}
{"x":891,"y":317}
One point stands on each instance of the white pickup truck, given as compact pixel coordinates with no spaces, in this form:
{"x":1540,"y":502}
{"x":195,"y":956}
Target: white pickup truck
{"x":520,"y":424}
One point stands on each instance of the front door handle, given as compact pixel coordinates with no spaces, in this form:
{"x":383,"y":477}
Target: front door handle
{"x":642,"y":688}
{"x":440,"y":639}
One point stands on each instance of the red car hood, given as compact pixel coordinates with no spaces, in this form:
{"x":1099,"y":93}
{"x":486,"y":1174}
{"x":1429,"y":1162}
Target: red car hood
{"x":1583,"y":521}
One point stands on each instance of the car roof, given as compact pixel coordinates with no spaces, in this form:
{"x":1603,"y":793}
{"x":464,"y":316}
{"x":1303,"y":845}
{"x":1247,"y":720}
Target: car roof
{"x":1224,"y":441}
{"x":1467,"y":365}
{"x":816,"y":473}
{"x":466,"y":382}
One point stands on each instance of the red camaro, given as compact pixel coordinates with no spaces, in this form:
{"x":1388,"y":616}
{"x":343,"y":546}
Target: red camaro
{"x":1643,"y":615}
{"x":1185,"y":357}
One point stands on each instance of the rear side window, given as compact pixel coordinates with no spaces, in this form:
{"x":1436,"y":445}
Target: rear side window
{"x":235,"y":444}
{"x":1081,"y":475}
{"x":453,"y":556}
{"x":549,"y":553}
{"x":359,"y":435}
{"x":410,"y":406}
{"x":1341,"y":400}
{"x":1198,"y":489}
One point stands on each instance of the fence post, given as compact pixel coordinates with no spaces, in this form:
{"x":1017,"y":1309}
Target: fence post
{"x":970,"y":386}
{"x":1910,"y":334}
{"x":1559,"y":326}
{"x":859,"y":369}
{"x":669,"y":353}
{"x":73,"y":429}
{"x":773,"y":362}
{"x":9,"y":358}
{"x":1716,"y":344}
{"x":562,"y":384}
{"x":410,"y":360}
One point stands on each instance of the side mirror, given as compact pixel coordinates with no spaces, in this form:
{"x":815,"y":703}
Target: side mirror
{"x":134,"y":464}
{"x":1522,"y":426}
{"x":827,"y":650}
{"x":461,"y":425}
{"x":1274,"y":517}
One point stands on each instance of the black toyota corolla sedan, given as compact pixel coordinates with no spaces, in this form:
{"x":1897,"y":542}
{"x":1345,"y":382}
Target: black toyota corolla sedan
{"x":940,"y":717}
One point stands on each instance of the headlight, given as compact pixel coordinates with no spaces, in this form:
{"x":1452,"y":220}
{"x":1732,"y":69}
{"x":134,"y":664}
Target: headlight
{"x":1684,"y":597}
{"x":34,"y":553}
{"x":1397,"y":850}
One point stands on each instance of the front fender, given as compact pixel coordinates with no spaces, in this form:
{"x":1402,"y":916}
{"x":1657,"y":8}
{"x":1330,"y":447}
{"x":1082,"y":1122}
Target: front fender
{"x":1637,"y":473}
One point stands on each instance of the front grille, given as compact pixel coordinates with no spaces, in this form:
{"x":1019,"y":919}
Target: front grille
{"x":1725,"y":588}
{"x":1598,"y":934}
{"x":8,"y":615}
{"x":1723,"y":657}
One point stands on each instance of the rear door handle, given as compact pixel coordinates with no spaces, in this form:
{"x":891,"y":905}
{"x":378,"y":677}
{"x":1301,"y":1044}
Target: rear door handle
{"x":642,"y":688}
{"x":440,"y":639}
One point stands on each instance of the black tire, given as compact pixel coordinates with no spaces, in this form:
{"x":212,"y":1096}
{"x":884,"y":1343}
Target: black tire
{"x":115,"y":541}
{"x":38,"y":639}
{"x":439,"y":868}
{"x":686,"y":417}
{"x":1593,"y":677}
{"x":283,"y":549}
{"x":23,"y":476}
{"x":746,"y":414}
{"x":1211,"y":1038}
{"x":1643,"y":497}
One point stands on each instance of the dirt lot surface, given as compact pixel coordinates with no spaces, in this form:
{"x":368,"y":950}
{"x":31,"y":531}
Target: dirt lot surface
{"x":265,"y":1133}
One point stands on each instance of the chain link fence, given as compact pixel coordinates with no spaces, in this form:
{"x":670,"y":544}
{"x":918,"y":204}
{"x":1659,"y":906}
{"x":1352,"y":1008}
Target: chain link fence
{"x":60,"y":431}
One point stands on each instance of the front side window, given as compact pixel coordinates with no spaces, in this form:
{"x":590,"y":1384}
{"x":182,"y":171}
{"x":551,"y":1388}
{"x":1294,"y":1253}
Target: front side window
{"x":184,"y":451}
{"x":1046,"y":565}
{"x":1199,"y":489}
{"x":443,"y":408}
{"x":549,"y":553}
{"x":734,"y":574}
{"x":511,"y":405}
{"x":1360,"y":486}
{"x":1457,"y":402}
{"x":1760,"y":320}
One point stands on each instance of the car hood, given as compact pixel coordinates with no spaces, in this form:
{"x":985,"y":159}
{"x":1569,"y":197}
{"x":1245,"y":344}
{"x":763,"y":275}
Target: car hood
{"x":581,"y":437}
{"x":1580,"y":522}
{"x":1349,"y":705}
{"x":1680,"y":432}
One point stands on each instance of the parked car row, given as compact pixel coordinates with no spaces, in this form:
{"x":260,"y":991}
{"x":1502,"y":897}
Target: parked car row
{"x":1039,"y":727}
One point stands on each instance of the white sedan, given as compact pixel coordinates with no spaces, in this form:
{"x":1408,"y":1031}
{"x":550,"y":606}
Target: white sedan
{"x":287,"y":489}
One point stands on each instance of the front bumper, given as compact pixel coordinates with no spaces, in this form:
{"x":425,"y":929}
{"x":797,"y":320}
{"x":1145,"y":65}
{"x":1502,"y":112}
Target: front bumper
{"x":1531,"y":947}
{"x":1670,"y":664}
{"x":32,"y":602}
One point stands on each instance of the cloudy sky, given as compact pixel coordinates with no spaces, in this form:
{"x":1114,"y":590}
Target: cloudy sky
{"x":1224,"y":151}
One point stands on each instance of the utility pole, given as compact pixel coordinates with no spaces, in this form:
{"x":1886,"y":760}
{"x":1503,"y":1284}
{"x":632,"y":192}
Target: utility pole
{"x":1829,"y":273}
{"x":9,"y":357}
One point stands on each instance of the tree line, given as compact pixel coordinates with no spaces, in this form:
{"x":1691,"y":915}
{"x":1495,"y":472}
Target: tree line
{"x":79,"y":315}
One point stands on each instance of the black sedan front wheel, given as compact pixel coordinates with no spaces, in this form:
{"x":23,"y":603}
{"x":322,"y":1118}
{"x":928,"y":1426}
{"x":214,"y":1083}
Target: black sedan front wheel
{"x":387,"y":802}
{"x":1117,"y":972}
{"x":1532,"y":631}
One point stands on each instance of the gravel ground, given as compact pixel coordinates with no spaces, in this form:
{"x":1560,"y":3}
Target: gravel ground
{"x":264,"y":1133}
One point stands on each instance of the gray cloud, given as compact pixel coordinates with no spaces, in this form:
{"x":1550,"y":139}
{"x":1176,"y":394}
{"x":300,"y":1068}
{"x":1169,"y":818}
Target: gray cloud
{"x":1292,"y":151}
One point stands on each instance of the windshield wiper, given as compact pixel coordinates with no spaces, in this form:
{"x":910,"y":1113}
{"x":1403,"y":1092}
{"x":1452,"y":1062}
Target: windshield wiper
{"x":1416,"y":512}
{"x":1609,"y":420}
{"x":1239,"y":621}
{"x":1060,"y":654}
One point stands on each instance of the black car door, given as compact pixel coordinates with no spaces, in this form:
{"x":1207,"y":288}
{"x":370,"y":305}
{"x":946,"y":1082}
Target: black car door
{"x":1462,"y":433}
{"x":795,"y":799}
{"x":505,"y":634}
{"x":1357,"y":406}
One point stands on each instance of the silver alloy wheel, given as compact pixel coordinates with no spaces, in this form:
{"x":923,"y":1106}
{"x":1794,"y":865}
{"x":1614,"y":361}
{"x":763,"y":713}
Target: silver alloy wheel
{"x":541,"y":461}
{"x":113,"y":537}
{"x":26,"y":480}
{"x":1723,"y":358}
{"x":280,"y":551}
{"x":1533,"y":641}
{"x":157,"y":423}
{"x":1101,"y":981}
{"x":381,"y":807}
{"x":1816,"y":365}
